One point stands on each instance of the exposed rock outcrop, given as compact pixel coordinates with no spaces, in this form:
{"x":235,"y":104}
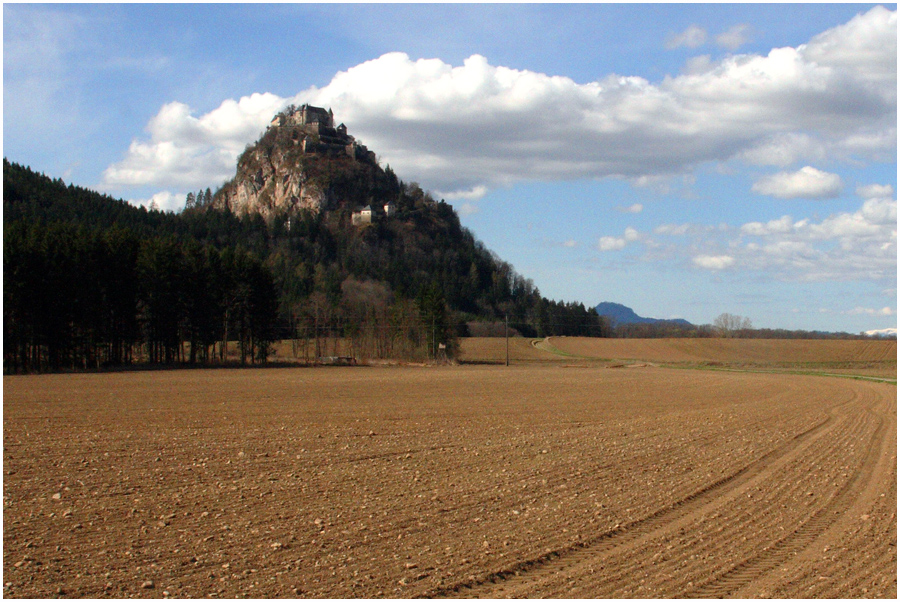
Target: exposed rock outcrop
{"x":297,"y":164}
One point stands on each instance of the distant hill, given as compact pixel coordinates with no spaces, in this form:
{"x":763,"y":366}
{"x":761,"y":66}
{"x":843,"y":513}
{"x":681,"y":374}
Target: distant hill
{"x":621,"y":315}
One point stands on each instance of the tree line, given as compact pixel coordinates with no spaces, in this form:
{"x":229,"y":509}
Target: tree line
{"x":725,"y":325}
{"x":93,"y":281}
{"x":76,"y":298}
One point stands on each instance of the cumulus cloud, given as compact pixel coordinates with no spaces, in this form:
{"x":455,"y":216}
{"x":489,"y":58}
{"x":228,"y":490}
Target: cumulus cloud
{"x":190,"y":151}
{"x":734,"y":37}
{"x":610,"y":243}
{"x":807,"y":183}
{"x":673,"y":229}
{"x":884,"y":311}
{"x":713,"y":262}
{"x":867,"y":44}
{"x":875,"y":191}
{"x":465,"y":128}
{"x":616,"y":243}
{"x":473,"y":194}
{"x":785,"y":149}
{"x":697,"y":65}
{"x":636,"y":208}
{"x":842,"y":246}
{"x":163,"y":201}
{"x":692,"y":37}
{"x":777,"y":226}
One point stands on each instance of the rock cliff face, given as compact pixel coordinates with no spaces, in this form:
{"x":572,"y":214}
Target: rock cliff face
{"x":299,"y":163}
{"x":267,"y":183}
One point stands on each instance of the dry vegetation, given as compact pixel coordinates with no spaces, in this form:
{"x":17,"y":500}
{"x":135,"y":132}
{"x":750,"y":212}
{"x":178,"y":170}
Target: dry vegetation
{"x":533,"y":480}
{"x":861,"y":357}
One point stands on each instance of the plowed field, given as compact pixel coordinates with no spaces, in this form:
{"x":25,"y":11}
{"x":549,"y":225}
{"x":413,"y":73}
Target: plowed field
{"x":479,"y":481}
{"x":862,"y":357}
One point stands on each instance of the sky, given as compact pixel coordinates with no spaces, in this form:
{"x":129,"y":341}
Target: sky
{"x":684,"y":160}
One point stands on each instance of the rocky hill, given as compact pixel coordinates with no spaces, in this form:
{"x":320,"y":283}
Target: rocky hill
{"x":304,"y":161}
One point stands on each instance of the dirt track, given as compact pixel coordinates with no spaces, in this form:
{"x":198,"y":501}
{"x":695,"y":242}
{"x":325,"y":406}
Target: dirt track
{"x":459,"y":481}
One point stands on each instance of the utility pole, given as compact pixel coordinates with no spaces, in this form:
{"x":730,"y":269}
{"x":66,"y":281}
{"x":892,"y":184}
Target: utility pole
{"x":507,"y":339}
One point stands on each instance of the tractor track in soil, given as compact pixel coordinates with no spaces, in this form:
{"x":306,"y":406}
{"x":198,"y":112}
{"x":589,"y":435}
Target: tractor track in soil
{"x":620,"y":550}
{"x":742,"y":574}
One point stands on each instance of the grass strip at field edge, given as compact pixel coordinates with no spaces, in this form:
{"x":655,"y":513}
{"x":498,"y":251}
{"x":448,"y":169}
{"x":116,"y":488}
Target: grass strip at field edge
{"x":880,"y":379}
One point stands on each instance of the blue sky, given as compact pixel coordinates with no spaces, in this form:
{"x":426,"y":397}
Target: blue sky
{"x":685,"y":160}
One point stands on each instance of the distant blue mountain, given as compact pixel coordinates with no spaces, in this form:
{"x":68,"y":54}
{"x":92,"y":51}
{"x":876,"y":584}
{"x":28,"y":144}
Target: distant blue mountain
{"x":619,"y":314}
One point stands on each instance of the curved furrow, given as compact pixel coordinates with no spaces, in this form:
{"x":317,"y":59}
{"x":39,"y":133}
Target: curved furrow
{"x":801,"y":537}
{"x":555,"y":566}
{"x":668,"y":565}
{"x":531,"y":570}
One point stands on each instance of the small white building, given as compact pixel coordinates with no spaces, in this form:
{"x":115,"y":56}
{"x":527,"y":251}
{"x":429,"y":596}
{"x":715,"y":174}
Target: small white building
{"x":363,"y":216}
{"x":389,"y":209}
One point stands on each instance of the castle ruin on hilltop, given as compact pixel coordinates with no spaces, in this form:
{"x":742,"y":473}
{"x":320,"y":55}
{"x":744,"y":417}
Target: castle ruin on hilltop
{"x":313,"y":129}
{"x":282,"y":172}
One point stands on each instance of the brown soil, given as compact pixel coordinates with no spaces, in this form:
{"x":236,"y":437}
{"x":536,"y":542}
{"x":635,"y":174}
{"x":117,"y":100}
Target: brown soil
{"x":457,"y":481}
{"x":856,"y":357}
{"x":730,"y":350}
{"x":492,"y":350}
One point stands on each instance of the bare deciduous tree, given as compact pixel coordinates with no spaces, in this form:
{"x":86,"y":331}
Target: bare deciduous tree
{"x":729,"y":326}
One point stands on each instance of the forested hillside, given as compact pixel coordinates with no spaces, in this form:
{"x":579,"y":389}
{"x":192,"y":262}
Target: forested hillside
{"x":93,"y":281}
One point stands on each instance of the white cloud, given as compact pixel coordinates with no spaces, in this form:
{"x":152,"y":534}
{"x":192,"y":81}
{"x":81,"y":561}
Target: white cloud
{"x":845,"y":246}
{"x":611,"y":243}
{"x":570,"y":244}
{"x":164,"y":201}
{"x":459,"y":129}
{"x":884,"y":311}
{"x":636,"y":208}
{"x":692,"y":37}
{"x":713,"y":262}
{"x":785,"y":149}
{"x":734,"y":37}
{"x":190,"y":151}
{"x":875,"y":220}
{"x":875,"y":191}
{"x":778,"y":226}
{"x":473,"y":194}
{"x":867,"y":44}
{"x":614,"y":243}
{"x":666,"y":184}
{"x":673,"y":229}
{"x":807,"y":183}
{"x":698,"y":65}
